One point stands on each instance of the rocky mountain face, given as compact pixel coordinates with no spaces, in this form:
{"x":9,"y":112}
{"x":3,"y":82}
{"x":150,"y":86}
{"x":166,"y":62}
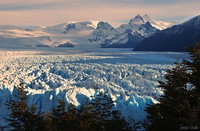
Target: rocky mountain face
{"x":175,"y":38}
{"x":127,"y":35}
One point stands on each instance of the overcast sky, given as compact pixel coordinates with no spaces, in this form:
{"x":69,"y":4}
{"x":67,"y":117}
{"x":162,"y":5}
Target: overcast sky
{"x":52,"y":12}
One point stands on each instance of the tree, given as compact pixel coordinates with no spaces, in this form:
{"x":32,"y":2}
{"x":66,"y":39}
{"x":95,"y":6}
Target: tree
{"x":93,"y":115}
{"x":194,"y":84}
{"x":49,"y":125}
{"x":59,"y":117}
{"x":99,"y":114}
{"x":86,"y":116}
{"x":23,"y":117}
{"x":102,"y":106}
{"x":106,"y":116}
{"x":72,"y":118}
{"x":118,"y":122}
{"x":179,"y":107}
{"x":62,"y":120}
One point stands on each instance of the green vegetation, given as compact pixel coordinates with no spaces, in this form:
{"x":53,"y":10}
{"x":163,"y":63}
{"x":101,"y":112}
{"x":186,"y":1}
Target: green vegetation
{"x":97,"y":114}
{"x":23,"y":117}
{"x":179,"y":107}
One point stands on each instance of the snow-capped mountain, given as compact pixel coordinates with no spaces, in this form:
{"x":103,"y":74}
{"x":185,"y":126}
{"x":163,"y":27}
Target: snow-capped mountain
{"x":103,"y":30}
{"x":128,"y":39}
{"x":52,"y":36}
{"x":128,"y":35}
{"x":161,"y":25}
{"x":175,"y":38}
{"x":72,"y":27}
{"x":75,"y":33}
{"x":81,"y":34}
{"x":140,"y":25}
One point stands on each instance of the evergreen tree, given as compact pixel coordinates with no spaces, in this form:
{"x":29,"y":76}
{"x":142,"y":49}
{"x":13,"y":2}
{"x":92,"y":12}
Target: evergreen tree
{"x":48,"y":122}
{"x":86,"y":116}
{"x":62,"y":120}
{"x":34,"y":119}
{"x":59,"y":117}
{"x":94,"y":115}
{"x":118,"y":122}
{"x":179,"y":107}
{"x":72,"y":118}
{"x":102,"y":106}
{"x":106,"y":116}
{"x":194,"y":84}
{"x":23,"y":117}
{"x":100,"y":114}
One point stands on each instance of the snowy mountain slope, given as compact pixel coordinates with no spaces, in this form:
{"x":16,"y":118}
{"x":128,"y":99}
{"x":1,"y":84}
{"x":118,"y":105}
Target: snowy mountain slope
{"x":54,"y":36}
{"x":82,"y":34}
{"x":103,"y":31}
{"x":175,"y":38}
{"x":128,"y":39}
{"x":76,"y":33}
{"x":135,"y":31}
{"x":72,"y":28}
{"x":137,"y":21}
{"x":129,"y":77}
{"x":137,"y":24}
{"x":161,"y":25}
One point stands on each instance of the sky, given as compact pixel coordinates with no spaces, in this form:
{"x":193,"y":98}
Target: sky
{"x":116,"y":12}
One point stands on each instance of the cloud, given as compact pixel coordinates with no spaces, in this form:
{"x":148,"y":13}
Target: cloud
{"x":15,"y":5}
{"x":23,"y":5}
{"x":49,"y":12}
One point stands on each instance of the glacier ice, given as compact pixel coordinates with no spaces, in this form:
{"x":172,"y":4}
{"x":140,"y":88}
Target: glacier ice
{"x":129,"y":77}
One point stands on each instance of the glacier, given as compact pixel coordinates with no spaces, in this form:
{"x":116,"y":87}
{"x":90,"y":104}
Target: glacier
{"x":130,"y":78}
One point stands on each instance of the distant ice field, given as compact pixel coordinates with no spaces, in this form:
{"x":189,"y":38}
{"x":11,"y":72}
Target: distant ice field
{"x":131,"y":78}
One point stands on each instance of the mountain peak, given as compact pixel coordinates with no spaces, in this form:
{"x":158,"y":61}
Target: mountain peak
{"x":138,"y":16}
{"x":195,"y":22}
{"x":175,"y":38}
{"x":138,"y":19}
{"x":104,"y":25}
{"x":146,"y":17}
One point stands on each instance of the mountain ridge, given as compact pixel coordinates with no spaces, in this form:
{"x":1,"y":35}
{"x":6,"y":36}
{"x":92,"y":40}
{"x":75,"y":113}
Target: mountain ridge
{"x":87,"y":33}
{"x":175,"y":38}
{"x":140,"y":24}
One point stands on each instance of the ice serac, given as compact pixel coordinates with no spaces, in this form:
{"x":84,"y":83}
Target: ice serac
{"x":131,"y":106}
{"x":131,"y":78}
{"x":175,"y":38}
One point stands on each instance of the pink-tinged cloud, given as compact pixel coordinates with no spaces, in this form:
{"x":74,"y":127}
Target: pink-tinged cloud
{"x":49,"y":12}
